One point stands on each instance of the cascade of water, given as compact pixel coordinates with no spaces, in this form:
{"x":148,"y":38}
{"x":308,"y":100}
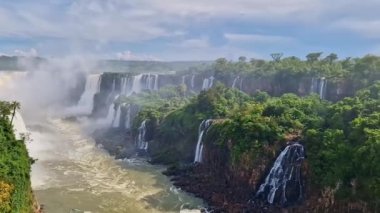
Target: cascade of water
{"x":136,"y":84}
{"x":113,"y":85}
{"x":128,"y":118}
{"x":207,"y":83}
{"x":86,"y":101}
{"x":184,"y":79}
{"x":116,"y":119}
{"x":211,"y":82}
{"x":241,"y":84}
{"x":192,"y":81}
{"x":148,"y":79}
{"x":18,"y":125}
{"x":312,"y":86}
{"x":110,"y":114}
{"x":318,"y":86}
{"x":141,"y":142}
{"x":283,"y":183}
{"x":201,"y":130}
{"x":235,"y":81}
{"x":322,"y":87}
{"x":155,"y":82}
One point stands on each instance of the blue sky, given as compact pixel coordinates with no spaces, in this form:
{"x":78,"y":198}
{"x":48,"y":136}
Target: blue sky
{"x":188,"y":30}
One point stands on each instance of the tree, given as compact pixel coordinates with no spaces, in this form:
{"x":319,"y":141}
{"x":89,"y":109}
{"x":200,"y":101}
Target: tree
{"x":313,"y":57}
{"x":276,"y":56}
{"x":331,"y":58}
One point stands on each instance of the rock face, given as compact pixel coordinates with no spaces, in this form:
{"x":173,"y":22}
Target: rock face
{"x":114,"y":84}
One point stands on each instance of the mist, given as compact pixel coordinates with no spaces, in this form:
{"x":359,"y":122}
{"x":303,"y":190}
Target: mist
{"x":47,"y":88}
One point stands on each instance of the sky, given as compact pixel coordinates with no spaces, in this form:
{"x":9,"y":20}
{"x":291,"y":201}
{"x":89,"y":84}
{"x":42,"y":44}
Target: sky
{"x":188,"y":29}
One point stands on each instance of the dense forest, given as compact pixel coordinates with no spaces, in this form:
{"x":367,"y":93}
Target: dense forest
{"x":15,"y":189}
{"x":248,"y":132}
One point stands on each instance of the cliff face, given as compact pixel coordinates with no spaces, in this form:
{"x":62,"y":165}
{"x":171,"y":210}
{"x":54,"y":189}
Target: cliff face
{"x":114,"y":84}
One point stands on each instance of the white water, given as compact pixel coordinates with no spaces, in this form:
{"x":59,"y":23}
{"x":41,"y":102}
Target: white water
{"x":116,"y":119}
{"x":128,"y":120}
{"x":235,"y":81}
{"x":208,"y":83}
{"x":73,"y":173}
{"x":192,"y":81}
{"x":141,"y":141}
{"x":286,"y":168}
{"x":86,"y":101}
{"x":199,"y":148}
{"x":19,"y":126}
{"x":137,"y":84}
{"x":319,"y":86}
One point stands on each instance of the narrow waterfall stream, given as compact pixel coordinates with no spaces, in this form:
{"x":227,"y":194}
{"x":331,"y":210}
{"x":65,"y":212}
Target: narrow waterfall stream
{"x":73,"y":173}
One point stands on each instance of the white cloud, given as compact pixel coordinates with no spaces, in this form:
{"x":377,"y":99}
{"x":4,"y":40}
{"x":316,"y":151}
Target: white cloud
{"x":137,"y":21}
{"x":129,"y":56}
{"x":257,"y":38}
{"x":26,"y":53}
{"x":194,"y":43}
{"x":366,"y":28}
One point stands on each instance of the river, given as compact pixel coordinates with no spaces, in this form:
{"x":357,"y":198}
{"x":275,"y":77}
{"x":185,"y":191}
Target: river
{"x":73,"y":173}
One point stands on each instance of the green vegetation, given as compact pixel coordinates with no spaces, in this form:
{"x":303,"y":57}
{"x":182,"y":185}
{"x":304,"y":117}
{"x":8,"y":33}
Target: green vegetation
{"x":15,"y":189}
{"x":342,"y":139}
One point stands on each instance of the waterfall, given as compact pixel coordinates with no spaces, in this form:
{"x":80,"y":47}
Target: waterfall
{"x":113,"y":85}
{"x":201,"y":130}
{"x":116,"y":118}
{"x":86,"y":101}
{"x":19,"y":126}
{"x":319,"y":86}
{"x":184,"y":79}
{"x":110,"y":114}
{"x":192,"y":81}
{"x":150,"y":81}
{"x":124,"y":86}
{"x":155,"y":82}
{"x":235,"y":81}
{"x":322,"y":88}
{"x":141,"y":142}
{"x":207,"y":83}
{"x":128,"y":118}
{"x":211,"y":81}
{"x":137,"y":84}
{"x":283,"y":183}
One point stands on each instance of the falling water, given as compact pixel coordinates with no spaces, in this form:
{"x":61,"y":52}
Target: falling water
{"x":207,"y":83}
{"x":201,"y":130}
{"x":235,"y":81}
{"x":128,"y":117}
{"x":283,"y":183}
{"x":124,"y":85}
{"x":18,"y":125}
{"x":322,"y":88}
{"x":86,"y":101}
{"x":141,"y":141}
{"x":136,"y":85}
{"x":184,"y":79}
{"x":116,"y":119}
{"x":319,"y":86}
{"x":155,"y":82}
{"x":192,"y":81}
